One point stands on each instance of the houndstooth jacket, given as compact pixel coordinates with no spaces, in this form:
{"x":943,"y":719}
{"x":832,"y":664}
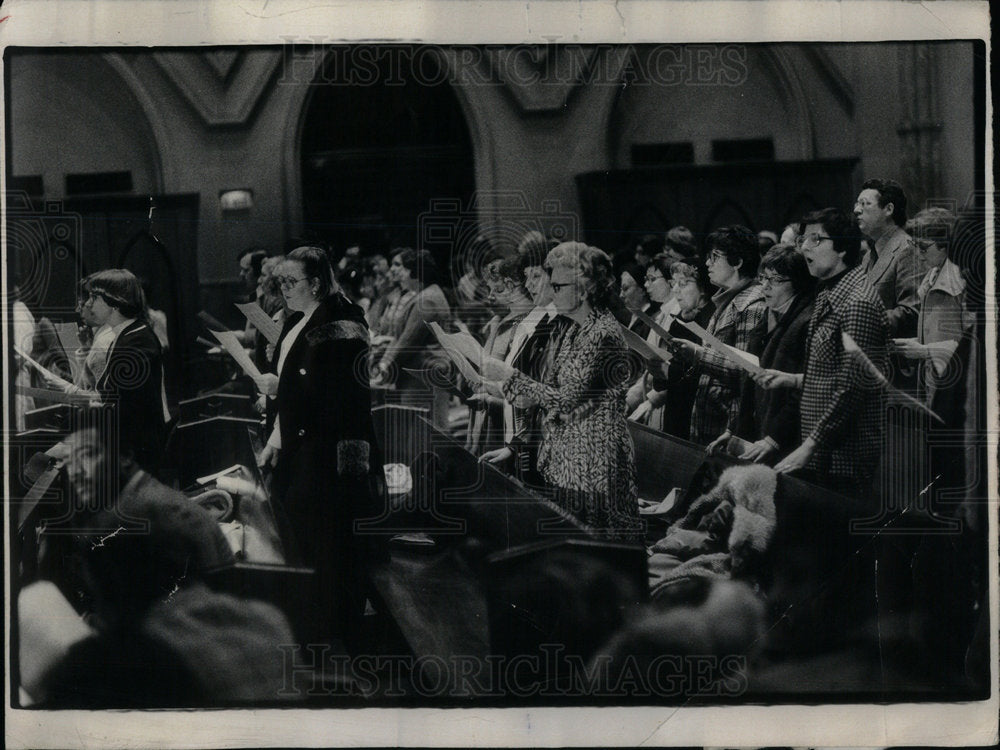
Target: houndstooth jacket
{"x":843,"y":406}
{"x":716,"y":400}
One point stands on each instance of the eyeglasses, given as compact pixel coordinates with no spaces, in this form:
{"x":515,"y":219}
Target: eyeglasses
{"x":715,"y":256}
{"x":810,"y":240}
{"x":557,"y":286}
{"x":678,"y":283}
{"x":771,"y":280}
{"x":286,"y":282}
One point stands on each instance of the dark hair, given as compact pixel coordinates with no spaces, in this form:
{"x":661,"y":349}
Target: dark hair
{"x":316,"y":265}
{"x":680,"y":241}
{"x":786,"y":260}
{"x":420,"y":264}
{"x":637,"y":272}
{"x":739,"y":245}
{"x":650,"y":244}
{"x":505,"y":269}
{"x":764,"y":243}
{"x":663,"y":263}
{"x":533,"y":249}
{"x":257,"y":256}
{"x":700,"y":271}
{"x":841,"y":227}
{"x":889,"y":191}
{"x":120,"y":289}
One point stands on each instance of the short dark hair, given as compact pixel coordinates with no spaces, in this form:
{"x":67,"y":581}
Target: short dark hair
{"x":650,"y":244}
{"x":737,"y":243}
{"x":505,"y":269}
{"x":889,"y":191}
{"x":786,"y":260}
{"x":120,"y":289}
{"x":257,"y":255}
{"x":420,"y":264}
{"x":316,"y":265}
{"x":680,"y":241}
{"x":841,"y":228}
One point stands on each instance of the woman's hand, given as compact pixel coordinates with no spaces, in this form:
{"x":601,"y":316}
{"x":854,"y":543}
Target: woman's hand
{"x":911,"y":349}
{"x":798,"y":458}
{"x":268,"y":457}
{"x":758,"y":451}
{"x":497,"y":456}
{"x":772,"y":379}
{"x":260,"y":405}
{"x":482,"y":399}
{"x":267,"y":383}
{"x":269,"y":351}
{"x":686,"y":350}
{"x":641,"y":412}
{"x":496,"y":369}
{"x":719,"y":444}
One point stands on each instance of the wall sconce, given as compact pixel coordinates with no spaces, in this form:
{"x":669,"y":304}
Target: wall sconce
{"x":236,"y":200}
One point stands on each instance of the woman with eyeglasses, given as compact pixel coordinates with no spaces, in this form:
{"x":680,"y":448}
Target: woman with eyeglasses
{"x":326,"y":464}
{"x":739,"y":306}
{"x":131,"y":375}
{"x":586,"y":454}
{"x":769,"y":419}
{"x":672,"y":387}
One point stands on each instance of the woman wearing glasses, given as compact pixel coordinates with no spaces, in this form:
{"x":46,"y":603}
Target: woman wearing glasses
{"x":322,"y":447}
{"x":769,"y":419}
{"x":672,"y":387}
{"x":586,"y":453}
{"x":739,"y":307}
{"x":130,"y":374}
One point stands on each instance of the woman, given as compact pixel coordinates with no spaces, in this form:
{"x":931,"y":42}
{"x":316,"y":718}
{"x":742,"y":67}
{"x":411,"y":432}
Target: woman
{"x":132,"y":376}
{"x":739,"y":306}
{"x":672,"y":387}
{"x":413,"y":346}
{"x":659,"y":291}
{"x":505,"y":280}
{"x":322,"y":446}
{"x":586,"y":453}
{"x":769,"y":419}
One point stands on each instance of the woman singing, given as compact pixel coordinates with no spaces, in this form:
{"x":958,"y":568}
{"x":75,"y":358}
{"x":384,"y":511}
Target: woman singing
{"x":322,"y":446}
{"x":586,"y":453}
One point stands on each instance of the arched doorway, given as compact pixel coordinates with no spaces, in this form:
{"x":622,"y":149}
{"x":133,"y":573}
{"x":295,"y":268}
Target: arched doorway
{"x":383,"y":135}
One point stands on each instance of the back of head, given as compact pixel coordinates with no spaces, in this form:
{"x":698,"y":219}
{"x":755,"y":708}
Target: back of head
{"x":680,"y":241}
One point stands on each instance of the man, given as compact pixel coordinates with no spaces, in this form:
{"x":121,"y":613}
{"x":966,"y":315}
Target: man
{"x":889,"y":265}
{"x":842,"y":405}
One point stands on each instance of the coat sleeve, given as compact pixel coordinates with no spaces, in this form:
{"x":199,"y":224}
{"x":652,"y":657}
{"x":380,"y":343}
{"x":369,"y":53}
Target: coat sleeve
{"x":344,"y":398}
{"x":415,"y":335}
{"x":863,"y":320}
{"x":903,"y":315}
{"x":602,"y":362}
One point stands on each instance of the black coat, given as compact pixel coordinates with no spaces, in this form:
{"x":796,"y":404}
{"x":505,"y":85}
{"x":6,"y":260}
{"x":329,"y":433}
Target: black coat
{"x":775,"y":413}
{"x":329,"y":461}
{"x":133,"y":382}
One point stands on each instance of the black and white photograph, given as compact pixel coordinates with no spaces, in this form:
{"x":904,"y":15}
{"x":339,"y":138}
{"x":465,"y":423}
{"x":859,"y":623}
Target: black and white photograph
{"x":499,"y":374}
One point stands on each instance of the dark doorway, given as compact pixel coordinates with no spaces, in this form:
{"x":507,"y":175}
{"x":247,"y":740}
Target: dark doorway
{"x":383,"y":135}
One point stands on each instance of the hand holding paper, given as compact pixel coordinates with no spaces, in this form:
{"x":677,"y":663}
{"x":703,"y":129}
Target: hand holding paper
{"x":261,"y":321}
{"x":232,"y":345}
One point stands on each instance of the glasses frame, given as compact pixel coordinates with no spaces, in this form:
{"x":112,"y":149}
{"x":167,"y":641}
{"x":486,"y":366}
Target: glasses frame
{"x":287,"y":282}
{"x":803,"y":240}
{"x":770,"y":281}
{"x":556,"y":286}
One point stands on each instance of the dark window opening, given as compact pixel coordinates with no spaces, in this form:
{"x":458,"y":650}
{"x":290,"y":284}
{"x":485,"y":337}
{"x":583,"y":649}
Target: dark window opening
{"x":98,"y":182}
{"x":658,"y":154}
{"x":750,"y":149}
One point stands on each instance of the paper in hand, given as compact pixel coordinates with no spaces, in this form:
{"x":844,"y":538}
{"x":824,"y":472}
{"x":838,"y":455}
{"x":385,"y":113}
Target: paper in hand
{"x":642,"y":347}
{"x":232,"y":345}
{"x":740,"y":358}
{"x":261,"y":321}
{"x":46,"y":373}
{"x":69,"y":337}
{"x":464,"y":366}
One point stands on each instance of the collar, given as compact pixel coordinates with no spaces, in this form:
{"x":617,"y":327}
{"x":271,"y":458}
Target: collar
{"x":722,"y":297}
{"x":949,"y":279}
{"x":831,"y":282}
{"x":785,"y":307}
{"x":117,"y":330}
{"x":890,"y":234}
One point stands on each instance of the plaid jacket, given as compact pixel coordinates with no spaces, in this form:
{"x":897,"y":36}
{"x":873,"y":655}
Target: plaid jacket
{"x":716,"y":400}
{"x":843,"y":406}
